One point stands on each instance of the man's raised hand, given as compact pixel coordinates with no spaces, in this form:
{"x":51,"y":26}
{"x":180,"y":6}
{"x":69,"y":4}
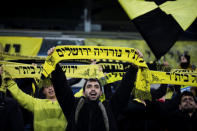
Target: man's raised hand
{"x":50,"y":51}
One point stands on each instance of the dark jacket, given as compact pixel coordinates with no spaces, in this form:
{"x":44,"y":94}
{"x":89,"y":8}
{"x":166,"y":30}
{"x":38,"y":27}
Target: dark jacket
{"x":137,"y":117}
{"x":181,"y":121}
{"x":10,"y":115}
{"x":159,"y":113}
{"x":133,"y":117}
{"x":90,"y":116}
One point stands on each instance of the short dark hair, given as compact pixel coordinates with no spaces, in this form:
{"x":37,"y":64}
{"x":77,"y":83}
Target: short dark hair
{"x":43,"y":83}
{"x":91,"y":80}
{"x":186,"y":93}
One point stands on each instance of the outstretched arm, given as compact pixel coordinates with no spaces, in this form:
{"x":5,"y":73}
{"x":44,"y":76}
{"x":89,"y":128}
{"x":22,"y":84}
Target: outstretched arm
{"x":25,"y":100}
{"x":121,"y":96}
{"x":63,"y":91}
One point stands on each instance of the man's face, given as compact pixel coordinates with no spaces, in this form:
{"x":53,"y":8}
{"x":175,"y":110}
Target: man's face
{"x":187,"y":103}
{"x":49,"y":92}
{"x":92,"y":90}
{"x":183,"y":59}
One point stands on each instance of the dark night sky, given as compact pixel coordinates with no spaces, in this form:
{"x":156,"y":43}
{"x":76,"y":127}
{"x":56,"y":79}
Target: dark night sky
{"x":69,"y":12}
{"x":68,"y":9}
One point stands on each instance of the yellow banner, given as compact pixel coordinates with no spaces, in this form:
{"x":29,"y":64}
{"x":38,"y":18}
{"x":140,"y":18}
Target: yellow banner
{"x":176,"y":76}
{"x":114,"y":76}
{"x":71,"y":71}
{"x":82,"y":71}
{"x":113,"y":67}
{"x":27,"y":46}
{"x":21,"y":71}
{"x":91,"y":52}
{"x":173,"y":78}
{"x":146,"y":77}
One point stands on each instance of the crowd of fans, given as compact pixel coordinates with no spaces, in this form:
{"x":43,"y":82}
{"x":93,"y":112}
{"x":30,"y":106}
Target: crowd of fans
{"x":53,"y":107}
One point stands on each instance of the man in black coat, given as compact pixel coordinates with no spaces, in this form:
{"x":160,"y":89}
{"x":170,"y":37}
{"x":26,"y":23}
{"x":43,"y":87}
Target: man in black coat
{"x":137,"y":117}
{"x":88,"y":113}
{"x":178,"y":114}
{"x":184,"y":118}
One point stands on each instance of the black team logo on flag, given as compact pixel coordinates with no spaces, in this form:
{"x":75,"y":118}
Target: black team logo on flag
{"x":160,"y":22}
